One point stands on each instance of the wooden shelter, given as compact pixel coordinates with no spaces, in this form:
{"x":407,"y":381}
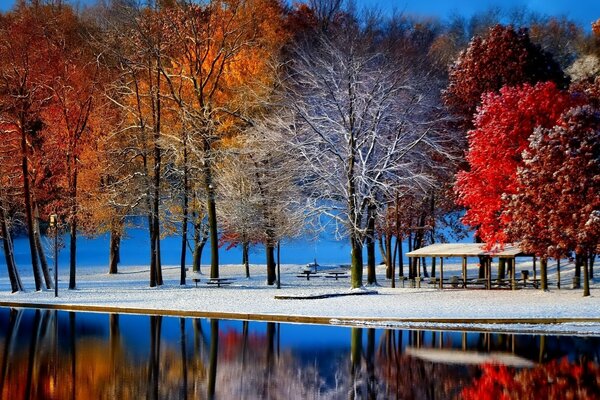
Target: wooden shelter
{"x":464,"y":251}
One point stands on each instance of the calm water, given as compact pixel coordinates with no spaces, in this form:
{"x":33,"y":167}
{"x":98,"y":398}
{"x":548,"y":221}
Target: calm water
{"x":60,"y":355}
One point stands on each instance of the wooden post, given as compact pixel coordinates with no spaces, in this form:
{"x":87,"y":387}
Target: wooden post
{"x":489,"y":272}
{"x":441,"y":272}
{"x":558,"y":272}
{"x":418,"y":272}
{"x":513,"y":273}
{"x":464,"y":271}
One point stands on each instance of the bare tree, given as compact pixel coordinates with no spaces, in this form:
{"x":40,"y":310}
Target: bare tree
{"x":259,"y":191}
{"x":365,"y":128}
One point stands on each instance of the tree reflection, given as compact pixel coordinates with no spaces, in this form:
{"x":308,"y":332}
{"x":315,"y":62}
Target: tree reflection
{"x":58,"y":355}
{"x":214,"y":349}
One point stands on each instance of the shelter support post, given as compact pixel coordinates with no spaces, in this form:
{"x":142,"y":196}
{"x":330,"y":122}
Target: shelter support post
{"x":512,"y":267}
{"x":418,"y":272}
{"x":464,"y":271}
{"x":441,"y":272}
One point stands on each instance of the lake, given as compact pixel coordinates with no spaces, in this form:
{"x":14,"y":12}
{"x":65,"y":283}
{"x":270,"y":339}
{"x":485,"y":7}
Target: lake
{"x":48,"y":354}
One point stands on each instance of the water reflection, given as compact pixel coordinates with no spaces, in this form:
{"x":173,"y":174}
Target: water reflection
{"x":63,"y":355}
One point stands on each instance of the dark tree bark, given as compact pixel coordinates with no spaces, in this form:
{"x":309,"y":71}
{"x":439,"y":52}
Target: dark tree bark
{"x":37,"y":236}
{"x":544,"y":273}
{"x":211,"y":210}
{"x":184,"y":222}
{"x":114,"y":257}
{"x":199,"y":243}
{"x":73,"y":253}
{"x":37,"y":276}
{"x":246,"y":258}
{"x":370,"y":243}
{"x":271,"y":264}
{"x":586,"y":276}
{"x":577,"y":275}
{"x":13,"y":272}
{"x":389,"y":262}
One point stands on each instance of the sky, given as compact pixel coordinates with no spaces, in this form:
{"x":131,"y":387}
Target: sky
{"x":583,"y":12}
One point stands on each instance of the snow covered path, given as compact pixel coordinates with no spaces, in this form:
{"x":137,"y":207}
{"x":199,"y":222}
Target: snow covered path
{"x":252,"y":297}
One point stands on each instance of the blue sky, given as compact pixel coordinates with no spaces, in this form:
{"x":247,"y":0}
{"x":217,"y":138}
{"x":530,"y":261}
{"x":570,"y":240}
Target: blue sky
{"x":582,"y":11}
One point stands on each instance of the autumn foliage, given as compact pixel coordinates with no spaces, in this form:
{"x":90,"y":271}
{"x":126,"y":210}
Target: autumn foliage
{"x":502,"y":129}
{"x":504,"y":57}
{"x":556,"y":205}
{"x":558,"y":379}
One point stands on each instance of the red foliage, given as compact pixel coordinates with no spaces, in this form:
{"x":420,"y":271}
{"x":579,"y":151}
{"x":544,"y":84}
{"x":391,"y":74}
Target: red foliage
{"x":502,"y":128}
{"x":557,"y":205}
{"x":504,"y":57}
{"x":558,"y":379}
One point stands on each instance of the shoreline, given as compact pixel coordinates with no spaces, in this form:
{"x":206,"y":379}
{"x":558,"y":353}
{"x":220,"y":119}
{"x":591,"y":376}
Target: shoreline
{"x":557,"y":326}
{"x":320,"y":301}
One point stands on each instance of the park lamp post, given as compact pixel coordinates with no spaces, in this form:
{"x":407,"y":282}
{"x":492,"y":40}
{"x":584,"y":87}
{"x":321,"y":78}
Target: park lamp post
{"x":54,"y":224}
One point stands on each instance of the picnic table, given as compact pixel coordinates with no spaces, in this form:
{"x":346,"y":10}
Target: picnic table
{"x":220,"y":281}
{"x":307,"y":273}
{"x":337,"y":274}
{"x":196,"y":279}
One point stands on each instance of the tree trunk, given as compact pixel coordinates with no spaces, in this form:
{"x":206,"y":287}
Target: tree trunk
{"x":411,"y":260}
{"x":13,"y":272}
{"x":199,"y":243}
{"x":37,"y":236}
{"x":432,"y":211}
{"x":212,"y":219}
{"x":37,"y":276}
{"x":586,"y":277}
{"x":278,"y":264}
{"x":159,"y":277}
{"x":370,"y":242}
{"x":184,"y":223}
{"x":114,"y":257}
{"x":246,"y":258}
{"x":577,"y":276}
{"x":72,"y":253}
{"x":501,"y":268}
{"x":400,"y":257}
{"x":152,"y":251}
{"x":271,"y":265}
{"x":544,"y":273}
{"x":386,"y":253}
{"x":357,"y":261}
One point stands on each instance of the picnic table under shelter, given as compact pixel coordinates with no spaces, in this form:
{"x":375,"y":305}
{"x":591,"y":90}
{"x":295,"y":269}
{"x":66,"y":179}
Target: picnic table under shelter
{"x":468,"y":250}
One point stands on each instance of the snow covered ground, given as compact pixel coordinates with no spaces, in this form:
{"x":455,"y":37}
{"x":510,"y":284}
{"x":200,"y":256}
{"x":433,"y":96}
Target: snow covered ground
{"x":399,"y":307}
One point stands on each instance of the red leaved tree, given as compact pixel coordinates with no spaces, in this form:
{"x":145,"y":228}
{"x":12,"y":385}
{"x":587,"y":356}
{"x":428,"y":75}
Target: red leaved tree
{"x":556,"y":207}
{"x":502,"y":128}
{"x":504,"y":57}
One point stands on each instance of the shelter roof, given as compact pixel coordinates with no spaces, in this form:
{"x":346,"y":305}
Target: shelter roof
{"x":465,"y":250}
